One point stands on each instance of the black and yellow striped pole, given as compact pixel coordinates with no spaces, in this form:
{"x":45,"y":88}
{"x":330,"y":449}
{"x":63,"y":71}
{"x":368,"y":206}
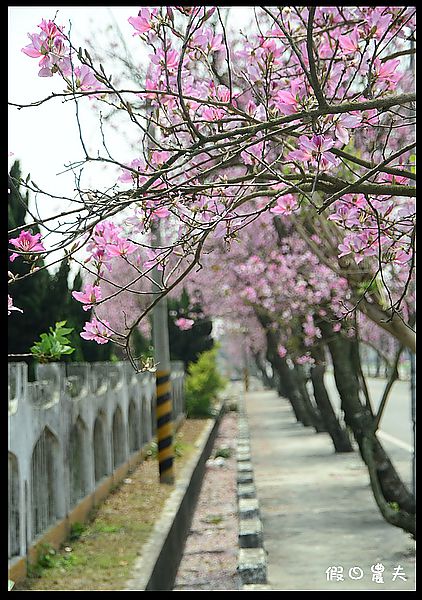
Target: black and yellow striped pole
{"x":164,"y":405}
{"x":164,"y":408}
{"x":164,"y":427}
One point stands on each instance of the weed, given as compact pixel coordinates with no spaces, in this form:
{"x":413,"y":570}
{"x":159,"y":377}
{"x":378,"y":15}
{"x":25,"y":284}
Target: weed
{"x":105,"y":528}
{"x":224,"y":452}
{"x":213,"y":519}
{"x":76,"y":530}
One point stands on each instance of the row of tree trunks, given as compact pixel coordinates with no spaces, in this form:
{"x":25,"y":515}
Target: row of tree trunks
{"x":362,"y":423}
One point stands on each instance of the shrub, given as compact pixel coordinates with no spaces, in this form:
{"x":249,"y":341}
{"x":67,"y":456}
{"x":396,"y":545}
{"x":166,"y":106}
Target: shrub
{"x":202,"y":384}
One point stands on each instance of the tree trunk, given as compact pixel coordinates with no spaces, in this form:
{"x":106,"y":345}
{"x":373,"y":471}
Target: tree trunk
{"x":269,"y":382}
{"x":288,"y":389}
{"x":377,"y":365}
{"x":361,"y":421}
{"x":304,"y":414}
{"x":338,"y":434}
{"x":318,"y":423}
{"x":278,"y":383}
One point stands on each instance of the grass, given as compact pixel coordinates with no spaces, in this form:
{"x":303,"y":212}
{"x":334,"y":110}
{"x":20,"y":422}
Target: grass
{"x":99,"y":555}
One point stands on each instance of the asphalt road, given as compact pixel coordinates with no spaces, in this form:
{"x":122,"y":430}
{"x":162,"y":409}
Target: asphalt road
{"x":395,"y":431}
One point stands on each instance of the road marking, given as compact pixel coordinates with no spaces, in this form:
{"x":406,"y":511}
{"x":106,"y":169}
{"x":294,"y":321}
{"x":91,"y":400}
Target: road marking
{"x":390,"y":438}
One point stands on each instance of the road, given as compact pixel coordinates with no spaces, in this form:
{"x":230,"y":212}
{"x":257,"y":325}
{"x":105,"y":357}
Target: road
{"x":396,"y":425}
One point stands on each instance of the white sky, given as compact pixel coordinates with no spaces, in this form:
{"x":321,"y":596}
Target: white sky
{"x":45,"y":138}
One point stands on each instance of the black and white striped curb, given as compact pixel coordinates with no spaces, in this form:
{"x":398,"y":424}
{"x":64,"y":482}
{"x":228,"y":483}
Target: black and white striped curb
{"x":252,"y":558}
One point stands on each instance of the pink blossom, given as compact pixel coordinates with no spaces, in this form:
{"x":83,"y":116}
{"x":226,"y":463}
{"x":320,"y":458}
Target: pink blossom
{"x":360,"y":245}
{"x":153,"y":262}
{"x":168,"y":59}
{"x":89,"y":296}
{"x":401,"y":257}
{"x":144,"y":21}
{"x":350,"y":43}
{"x":27,"y":243}
{"x":387,"y":70}
{"x":160,"y":157}
{"x":184,"y":324}
{"x":285,"y":205}
{"x":286,"y":102}
{"x":49,"y":45}
{"x":316,"y":151}
{"x":137,"y":221}
{"x":85,"y":79}
{"x":105,"y":233}
{"x":130,"y":177}
{"x":250,"y":294}
{"x":377,"y":22}
{"x":281,"y":351}
{"x":161,"y":213}
{"x":303,"y":360}
{"x":345,"y":122}
{"x":96,"y":330}
{"x":394,"y":179}
{"x":251,"y":155}
{"x":11,"y":307}
{"x":207,"y":40}
{"x":212,"y":113}
{"x":50,"y":28}
{"x":121,"y":248}
{"x":269,"y":46}
{"x":223,"y":93}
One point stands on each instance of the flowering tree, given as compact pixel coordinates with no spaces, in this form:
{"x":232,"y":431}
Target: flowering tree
{"x":309,"y":113}
{"x":299,"y":302}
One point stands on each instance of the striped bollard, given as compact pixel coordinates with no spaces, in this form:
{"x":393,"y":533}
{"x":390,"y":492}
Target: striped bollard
{"x":164,"y":427}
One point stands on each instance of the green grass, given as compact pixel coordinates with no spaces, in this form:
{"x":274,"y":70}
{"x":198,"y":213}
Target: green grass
{"x":101,"y":553}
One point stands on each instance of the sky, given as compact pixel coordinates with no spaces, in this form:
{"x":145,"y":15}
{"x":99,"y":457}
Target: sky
{"x":45,"y":138}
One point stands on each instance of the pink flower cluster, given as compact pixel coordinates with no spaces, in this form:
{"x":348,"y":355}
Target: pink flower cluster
{"x":98,"y":331}
{"x":27,"y":244}
{"x":107,"y":242}
{"x":89,"y":296}
{"x":184,"y":324}
{"x":315,"y":151}
{"x":50,"y":46}
{"x":285,"y":205}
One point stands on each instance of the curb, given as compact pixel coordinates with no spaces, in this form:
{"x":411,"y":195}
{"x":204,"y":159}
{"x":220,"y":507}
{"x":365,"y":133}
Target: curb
{"x":252,"y":558}
{"x":156,"y":568}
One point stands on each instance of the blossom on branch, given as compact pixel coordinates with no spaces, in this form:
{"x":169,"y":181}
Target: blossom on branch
{"x":89,"y":297}
{"x":96,"y":330}
{"x":11,"y":307}
{"x":26,"y":243}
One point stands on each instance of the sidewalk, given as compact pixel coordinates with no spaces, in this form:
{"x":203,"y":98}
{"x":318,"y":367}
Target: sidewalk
{"x":317,"y":508}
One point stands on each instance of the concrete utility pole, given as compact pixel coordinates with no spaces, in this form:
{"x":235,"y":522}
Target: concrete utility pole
{"x":164,"y":407}
{"x":164,"y":403}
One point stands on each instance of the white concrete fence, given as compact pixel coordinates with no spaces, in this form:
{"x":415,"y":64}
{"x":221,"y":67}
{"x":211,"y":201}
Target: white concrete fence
{"x":68,"y":431}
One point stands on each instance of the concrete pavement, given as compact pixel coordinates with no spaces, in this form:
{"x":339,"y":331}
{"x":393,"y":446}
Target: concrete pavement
{"x":318,"y":511}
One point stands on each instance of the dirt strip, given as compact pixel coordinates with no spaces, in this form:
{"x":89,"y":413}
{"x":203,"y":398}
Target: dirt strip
{"x":210,"y":557}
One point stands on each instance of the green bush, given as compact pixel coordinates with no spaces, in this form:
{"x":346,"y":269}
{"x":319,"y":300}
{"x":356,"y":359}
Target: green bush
{"x":202,"y":384}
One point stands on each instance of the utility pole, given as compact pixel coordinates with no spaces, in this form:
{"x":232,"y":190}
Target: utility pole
{"x":164,"y":403}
